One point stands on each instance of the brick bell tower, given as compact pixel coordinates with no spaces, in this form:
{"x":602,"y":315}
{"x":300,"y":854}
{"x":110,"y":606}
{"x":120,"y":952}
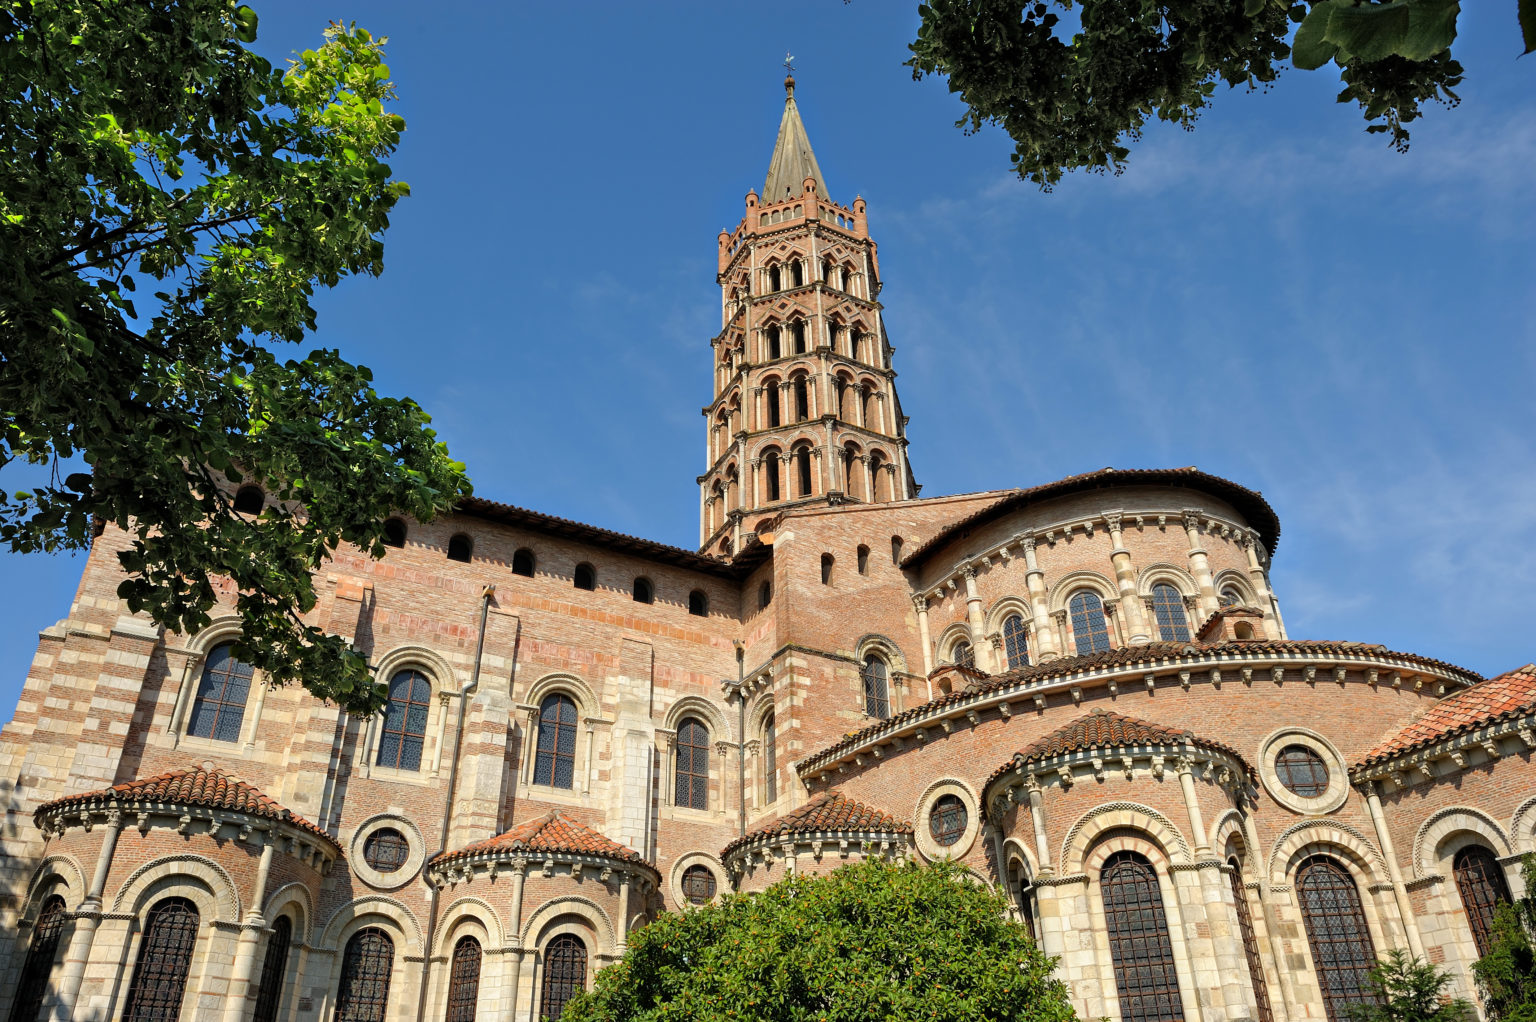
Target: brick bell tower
{"x":805,"y":412}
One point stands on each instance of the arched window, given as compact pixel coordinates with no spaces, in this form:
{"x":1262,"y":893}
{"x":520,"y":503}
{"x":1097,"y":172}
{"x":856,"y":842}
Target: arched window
{"x":394,"y":533}
{"x":770,"y":760}
{"x":1250,"y":941}
{"x":826,"y":569}
{"x":775,"y":279}
{"x":249,"y":500}
{"x":797,"y":330}
{"x":879,"y":478}
{"x":854,"y":337}
{"x":866,"y":399}
{"x":363,"y":995}
{"x":522,"y":563}
{"x":692,"y":772}
{"x":1231,"y":596}
{"x":1088,"y":627}
{"x":460,"y":548}
{"x":555,"y":761}
{"x":584,"y":577}
{"x":963,"y":654}
{"x":698,"y":603}
{"x":464,"y":981}
{"x":1168,"y":608}
{"x":405,"y":721}
{"x":1138,"y":941}
{"x":1480,"y":881}
{"x":165,"y":954}
{"x":1015,"y":642}
{"x":896,"y":550}
{"x":765,"y":594}
{"x":802,"y":400}
{"x":863,"y":559}
{"x":41,"y":952}
{"x":644,"y":591}
{"x":771,"y":474}
{"x":803,"y":469}
{"x":775,"y":347}
{"x":1342,"y":951}
{"x":698,"y":884}
{"x":877,"y":702}
{"x":219,"y":706}
{"x":565,"y":974}
{"x":274,"y":971}
{"x":773,"y":395}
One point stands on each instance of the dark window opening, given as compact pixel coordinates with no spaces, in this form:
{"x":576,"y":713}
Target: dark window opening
{"x":764,"y":594}
{"x":896,"y":550}
{"x":386,"y":850}
{"x":698,"y":884}
{"x":41,"y":951}
{"x":772,"y":395}
{"x":771,"y":470}
{"x":1139,"y":945}
{"x":963,"y":654}
{"x":826,"y":569}
{"x":522,"y":563}
{"x":775,"y":279}
{"x":775,"y":350}
{"x":460,"y":548}
{"x":644,"y":591}
{"x":797,"y":273}
{"x":1250,"y":942}
{"x":947,"y":820}
{"x":274,"y":971}
{"x":165,"y":955}
{"x":555,"y":761}
{"x":584,"y":577}
{"x":249,"y":500}
{"x":692,"y":770}
{"x":363,"y":995}
{"x":1480,"y":882}
{"x":797,"y":328}
{"x":770,"y":760}
{"x":802,"y":399}
{"x":803,"y":470}
{"x":698,"y":603}
{"x":863,"y":559}
{"x":405,"y":721}
{"x":394,"y":533}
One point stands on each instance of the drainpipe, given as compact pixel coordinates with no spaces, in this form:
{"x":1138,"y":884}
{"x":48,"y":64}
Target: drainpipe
{"x":741,"y":734}
{"x":453,"y":781}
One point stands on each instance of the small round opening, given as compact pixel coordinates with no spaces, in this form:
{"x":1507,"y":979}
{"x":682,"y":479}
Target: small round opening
{"x":386,"y":850}
{"x":948,"y":819}
{"x":1302,"y":771}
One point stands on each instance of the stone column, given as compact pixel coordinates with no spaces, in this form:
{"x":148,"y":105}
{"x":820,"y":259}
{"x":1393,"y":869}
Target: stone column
{"x":1047,"y":645}
{"x":1225,"y":968}
{"x":1259,"y":578}
{"x":87,"y":921}
{"x":1271,"y":927}
{"x":514,"y":977}
{"x":242,"y":995}
{"x":623,"y":941}
{"x":1371,"y":790}
{"x":973,"y":617}
{"x":920,"y":603}
{"x":1137,"y":630}
{"x":1199,"y":567}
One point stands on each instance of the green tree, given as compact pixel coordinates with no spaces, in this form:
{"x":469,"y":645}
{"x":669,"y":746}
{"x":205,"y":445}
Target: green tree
{"x":1409,"y":989}
{"x":169,"y":201}
{"x":1506,"y":975}
{"x":872,"y":940}
{"x":1072,"y":88}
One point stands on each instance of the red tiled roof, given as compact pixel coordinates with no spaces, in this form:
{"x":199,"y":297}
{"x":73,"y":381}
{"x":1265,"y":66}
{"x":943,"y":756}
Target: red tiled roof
{"x":1105,"y":729}
{"x":829,"y":811}
{"x":1505,"y":697}
{"x":212,"y":789}
{"x":549,"y":833}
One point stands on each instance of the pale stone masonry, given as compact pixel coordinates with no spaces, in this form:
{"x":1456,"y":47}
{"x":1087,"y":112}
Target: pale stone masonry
{"x":1083,"y":691}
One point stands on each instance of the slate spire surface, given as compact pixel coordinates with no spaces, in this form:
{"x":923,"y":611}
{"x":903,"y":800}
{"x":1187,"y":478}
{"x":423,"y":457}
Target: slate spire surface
{"x":793,"y":161}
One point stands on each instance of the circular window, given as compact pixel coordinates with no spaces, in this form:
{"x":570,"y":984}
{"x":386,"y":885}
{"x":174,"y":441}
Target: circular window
{"x":386,"y":850}
{"x":1302,"y":771}
{"x":947,"y":821}
{"x":698,"y":884}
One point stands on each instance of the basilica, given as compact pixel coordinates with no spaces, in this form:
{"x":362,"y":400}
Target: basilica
{"x":1083,"y":691}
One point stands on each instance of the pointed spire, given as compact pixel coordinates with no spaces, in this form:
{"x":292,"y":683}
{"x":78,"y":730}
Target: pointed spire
{"x":793,"y":160}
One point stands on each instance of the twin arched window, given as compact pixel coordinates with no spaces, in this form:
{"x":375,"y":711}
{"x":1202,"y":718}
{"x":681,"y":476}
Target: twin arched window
{"x":274,"y":970}
{"x":565,"y":974}
{"x":1342,"y":951}
{"x":405,"y":721}
{"x":1168,"y":608}
{"x":877,"y":701}
{"x":1139,"y":944}
{"x":1089,"y":630}
{"x":555,"y":761}
{"x":1015,"y":642}
{"x":365,"y":972}
{"x":41,"y":952}
{"x":165,"y":954}
{"x":1480,"y":882}
{"x":464,"y":981}
{"x":691,"y":785}
{"x":219,"y":706}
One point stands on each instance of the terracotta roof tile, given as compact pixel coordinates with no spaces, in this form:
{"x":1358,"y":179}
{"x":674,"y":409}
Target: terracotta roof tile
{"x":1504,"y":697}
{"x":828,"y":811}
{"x":212,"y":789}
{"x":552,"y":832}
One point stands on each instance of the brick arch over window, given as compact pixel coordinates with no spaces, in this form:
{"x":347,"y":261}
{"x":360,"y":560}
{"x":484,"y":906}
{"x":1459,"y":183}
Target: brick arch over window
{"x":1331,"y":837}
{"x":710,"y":713}
{"x":195,"y":877}
{"x":373,"y":910}
{"x":1438,"y":837}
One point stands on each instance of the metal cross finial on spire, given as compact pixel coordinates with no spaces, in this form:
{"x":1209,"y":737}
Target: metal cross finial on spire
{"x":789,"y":62}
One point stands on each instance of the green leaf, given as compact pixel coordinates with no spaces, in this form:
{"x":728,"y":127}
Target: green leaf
{"x":1411,"y":29}
{"x":1252,"y":8}
{"x":1528,"y":24}
{"x":1311,"y":49}
{"x":245,"y":24}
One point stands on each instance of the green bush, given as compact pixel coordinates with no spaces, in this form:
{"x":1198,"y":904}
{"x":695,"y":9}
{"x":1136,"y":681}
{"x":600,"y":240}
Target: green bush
{"x":1506,"y":975}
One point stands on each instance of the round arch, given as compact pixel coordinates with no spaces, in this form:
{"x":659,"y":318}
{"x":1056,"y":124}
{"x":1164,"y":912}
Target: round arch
{"x":1231,"y":578}
{"x":51,"y":874}
{"x":1071,"y":582}
{"x":1130,"y":815}
{"x":571,"y":685}
{"x":474,"y":916}
{"x":440,"y":673}
{"x":226,"y":627}
{"x":1325,"y":837}
{"x":1006,"y":607}
{"x":547,"y":915}
{"x":1522,"y":827}
{"x":874,"y":642}
{"x":698,"y":706}
{"x":950,"y":637}
{"x":372,"y":910}
{"x":196,"y":877}
{"x":296,"y":900}
{"x":1445,"y":832}
{"x":1162,"y":572}
{"x":1225,"y":828}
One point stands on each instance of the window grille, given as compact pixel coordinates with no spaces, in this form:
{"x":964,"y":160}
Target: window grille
{"x":365,"y":969}
{"x":565,"y":974}
{"x":1015,"y":642}
{"x":221,"y":694}
{"x":770,"y":760}
{"x":386,"y":850}
{"x":41,"y":952}
{"x":555,"y":762}
{"x":1342,"y":951}
{"x":405,"y":721}
{"x":1480,"y":881}
{"x":947,"y":820}
{"x":1168,"y":608}
{"x":1302,"y":771}
{"x":876,"y":702}
{"x":1250,"y":942}
{"x":698,"y":884}
{"x":165,"y":955}
{"x":963,"y":653}
{"x":274,"y":971}
{"x":1088,"y":628}
{"x":1138,"y":941}
{"x":464,"y":981}
{"x":692,"y":790}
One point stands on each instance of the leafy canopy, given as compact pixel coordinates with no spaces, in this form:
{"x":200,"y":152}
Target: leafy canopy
{"x":1409,"y":989}
{"x":1072,"y":81}
{"x":872,"y":940}
{"x":169,"y":201}
{"x":1506,"y":975}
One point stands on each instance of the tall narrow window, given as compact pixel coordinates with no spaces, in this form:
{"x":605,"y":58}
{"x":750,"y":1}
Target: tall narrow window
{"x":775,"y":346}
{"x":770,"y":761}
{"x":896,"y":550}
{"x":405,"y":721}
{"x":522,"y":562}
{"x":771,"y":474}
{"x":584,"y":577}
{"x":797,"y":330}
{"x":555,"y":762}
{"x":773,"y":395}
{"x":1250,"y":941}
{"x":692,"y":771}
{"x":826,"y":569}
{"x":565,"y":974}
{"x":802,"y":400}
{"x":775,"y":280}
{"x":165,"y":954}
{"x":863,"y":559}
{"x":854,"y":337}
{"x":877,"y":702}
{"x":1088,"y":627}
{"x":274,"y":971}
{"x":221,"y":694}
{"x":1168,"y":608}
{"x":460,"y":548}
{"x":698,"y":603}
{"x":1342,"y":951}
{"x":41,"y":952}
{"x":803,"y":469}
{"x":1015,"y":642}
{"x":365,"y":969}
{"x":1480,"y":881}
{"x":1027,"y":908}
{"x":464,"y":981}
{"x":765,"y":594}
{"x":1138,"y":941}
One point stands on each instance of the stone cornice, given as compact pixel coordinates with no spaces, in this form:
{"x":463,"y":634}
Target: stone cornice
{"x":1011,"y":785}
{"x":299,"y":843}
{"x":771,"y":847}
{"x":1451,"y":754}
{"x":491,"y":863}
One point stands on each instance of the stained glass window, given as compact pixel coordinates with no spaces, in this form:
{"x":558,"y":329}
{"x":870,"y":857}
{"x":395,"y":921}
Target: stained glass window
{"x":221,"y":694}
{"x":698,"y":884}
{"x":1088,"y":628}
{"x":405,"y":721}
{"x":555,"y":762}
{"x":692,"y":764}
{"x":947,"y":820}
{"x":386,"y":850}
{"x":1342,"y":951}
{"x":963,"y":653}
{"x":1168,"y":608}
{"x":365,"y":970}
{"x":770,"y":760}
{"x":1250,"y":941}
{"x":1139,"y":944}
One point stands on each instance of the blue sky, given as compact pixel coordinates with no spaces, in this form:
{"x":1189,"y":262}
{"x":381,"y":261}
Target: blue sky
{"x":1276,"y":297}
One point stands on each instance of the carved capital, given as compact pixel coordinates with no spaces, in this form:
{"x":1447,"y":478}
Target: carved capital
{"x":920,"y":603}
